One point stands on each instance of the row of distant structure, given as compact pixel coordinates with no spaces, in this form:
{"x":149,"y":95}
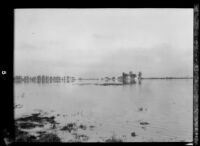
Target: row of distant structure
{"x":43,"y":79}
{"x":125,"y":78}
{"x":131,"y":76}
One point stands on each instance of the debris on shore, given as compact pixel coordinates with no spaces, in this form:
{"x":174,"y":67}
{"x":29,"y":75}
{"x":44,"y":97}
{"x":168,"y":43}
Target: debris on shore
{"x":133,"y":134}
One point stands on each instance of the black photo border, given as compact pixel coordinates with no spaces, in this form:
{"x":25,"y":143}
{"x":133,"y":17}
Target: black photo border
{"x":7,"y":59}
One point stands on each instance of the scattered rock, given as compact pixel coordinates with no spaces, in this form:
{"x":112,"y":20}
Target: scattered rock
{"x":133,"y":134}
{"x":83,"y":127}
{"x":142,"y":109}
{"x":144,"y":123}
{"x":69,"y":127}
{"x":73,"y":127}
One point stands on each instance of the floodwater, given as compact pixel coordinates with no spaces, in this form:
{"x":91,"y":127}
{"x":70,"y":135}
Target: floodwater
{"x":155,"y":110}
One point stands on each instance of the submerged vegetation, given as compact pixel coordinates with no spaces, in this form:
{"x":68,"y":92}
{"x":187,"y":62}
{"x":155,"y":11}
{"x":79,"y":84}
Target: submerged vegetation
{"x":24,"y":125}
{"x":22,"y":136}
{"x":34,"y":121}
{"x":74,"y":127}
{"x":70,"y":127}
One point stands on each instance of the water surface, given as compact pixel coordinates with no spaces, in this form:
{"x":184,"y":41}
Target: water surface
{"x":155,"y":110}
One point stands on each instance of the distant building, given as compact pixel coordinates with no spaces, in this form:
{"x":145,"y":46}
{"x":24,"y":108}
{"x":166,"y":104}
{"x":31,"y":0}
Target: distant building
{"x":128,"y":78}
{"x":139,"y":75}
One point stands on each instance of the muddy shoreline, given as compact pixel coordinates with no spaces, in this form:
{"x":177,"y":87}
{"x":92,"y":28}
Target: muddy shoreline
{"x":37,"y":127}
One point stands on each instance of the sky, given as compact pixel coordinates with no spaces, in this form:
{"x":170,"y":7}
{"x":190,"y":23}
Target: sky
{"x":103,"y":42}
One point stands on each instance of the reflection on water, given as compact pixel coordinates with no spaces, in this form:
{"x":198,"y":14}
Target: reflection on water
{"x":148,"y":110}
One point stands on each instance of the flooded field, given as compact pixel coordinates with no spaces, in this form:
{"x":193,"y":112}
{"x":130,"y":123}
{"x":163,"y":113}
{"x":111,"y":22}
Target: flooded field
{"x":85,"y":111}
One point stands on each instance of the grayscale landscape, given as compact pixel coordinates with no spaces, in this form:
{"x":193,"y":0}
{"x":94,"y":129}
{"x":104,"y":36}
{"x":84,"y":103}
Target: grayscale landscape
{"x":103,"y":75}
